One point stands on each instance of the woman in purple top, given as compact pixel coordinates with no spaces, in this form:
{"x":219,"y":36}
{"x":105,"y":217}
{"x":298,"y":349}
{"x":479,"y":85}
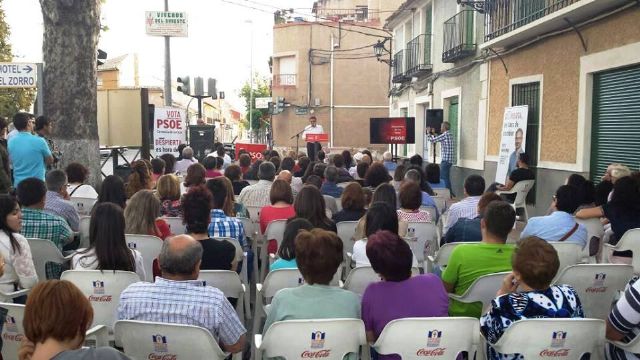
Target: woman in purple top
{"x":398,"y":295}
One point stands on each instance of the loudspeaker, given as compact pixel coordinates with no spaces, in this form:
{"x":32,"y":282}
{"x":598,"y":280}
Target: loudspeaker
{"x":433,"y":119}
{"x":201,"y":140}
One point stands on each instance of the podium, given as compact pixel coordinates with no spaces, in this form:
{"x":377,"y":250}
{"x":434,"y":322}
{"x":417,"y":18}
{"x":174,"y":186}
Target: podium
{"x":313,"y":144}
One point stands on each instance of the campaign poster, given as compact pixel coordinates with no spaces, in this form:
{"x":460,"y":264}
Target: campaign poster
{"x":169,"y":130}
{"x":254,"y":150}
{"x":514,"y":135}
{"x":398,"y":130}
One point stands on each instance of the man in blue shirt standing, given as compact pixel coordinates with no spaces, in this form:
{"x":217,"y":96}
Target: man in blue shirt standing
{"x":29,"y":153}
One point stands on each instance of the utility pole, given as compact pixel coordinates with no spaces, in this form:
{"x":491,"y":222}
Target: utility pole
{"x":168,"y":101}
{"x":251,"y":86}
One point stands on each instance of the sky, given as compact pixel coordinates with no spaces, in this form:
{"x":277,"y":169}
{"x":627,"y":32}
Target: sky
{"x":218,"y":45}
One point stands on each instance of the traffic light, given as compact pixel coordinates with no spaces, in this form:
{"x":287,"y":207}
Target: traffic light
{"x":185,"y":85}
{"x":211,"y":88}
{"x":198,"y":86}
{"x":279,"y":106}
{"x":221,"y":95}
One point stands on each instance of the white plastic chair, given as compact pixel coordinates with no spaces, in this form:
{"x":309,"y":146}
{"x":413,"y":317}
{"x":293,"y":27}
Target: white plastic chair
{"x":483,"y":289}
{"x":595,"y":232}
{"x":442,"y":192}
{"x":12,"y":331}
{"x":437,"y":338}
{"x":241,"y":255}
{"x":327,"y":338}
{"x":441,"y":203}
{"x":44,"y":251}
{"x":521,"y":189}
{"x":274,"y":281}
{"x":632,"y":346}
{"x":543,"y":338}
{"x":330,"y":203}
{"x":423,"y":240}
{"x":275,"y":230}
{"x":149,"y":340}
{"x":596,"y":285}
{"x":432,"y":212}
{"x":441,"y":258}
{"x":338,"y":203}
{"x":83,"y":229}
{"x":346,"y":231}
{"x":103,"y":289}
{"x":83,"y":205}
{"x":568,"y":253}
{"x":229,"y":283}
{"x":629,"y":241}
{"x":149,"y":247}
{"x":359,"y":278}
{"x":175,"y":225}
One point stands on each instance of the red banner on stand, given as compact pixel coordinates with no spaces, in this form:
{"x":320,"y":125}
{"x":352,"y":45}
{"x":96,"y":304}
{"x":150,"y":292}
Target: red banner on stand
{"x":324,"y":137}
{"x":254,"y":150}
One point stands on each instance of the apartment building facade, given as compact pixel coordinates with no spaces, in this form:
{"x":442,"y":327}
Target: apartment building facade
{"x":576,"y":64}
{"x":437,"y":65}
{"x":327,"y":68}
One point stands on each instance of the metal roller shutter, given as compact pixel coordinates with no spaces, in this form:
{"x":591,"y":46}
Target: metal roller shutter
{"x":615,"y":136}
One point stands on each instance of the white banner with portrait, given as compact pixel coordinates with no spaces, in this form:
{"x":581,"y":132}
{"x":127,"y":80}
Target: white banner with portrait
{"x":514,"y":134}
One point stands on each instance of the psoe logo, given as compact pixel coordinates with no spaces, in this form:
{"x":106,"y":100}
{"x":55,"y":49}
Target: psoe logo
{"x":599,"y":279}
{"x":317,"y":340}
{"x":433,"y":338}
{"x":159,"y":343}
{"x":558,"y":339}
{"x":10,"y":324}
{"x":98,"y":287}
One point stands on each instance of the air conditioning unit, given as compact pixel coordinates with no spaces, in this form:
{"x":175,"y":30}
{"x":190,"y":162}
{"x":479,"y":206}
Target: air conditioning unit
{"x":316,"y":102}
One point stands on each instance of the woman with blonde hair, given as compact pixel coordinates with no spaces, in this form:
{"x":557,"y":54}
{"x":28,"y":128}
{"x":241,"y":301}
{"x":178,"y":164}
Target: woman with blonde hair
{"x":169,"y":193}
{"x":56,"y":319}
{"x":139,"y":179}
{"x":142,"y":215}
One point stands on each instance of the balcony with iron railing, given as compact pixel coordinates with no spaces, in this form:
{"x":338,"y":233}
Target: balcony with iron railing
{"x":281,"y":80}
{"x":459,"y":37}
{"x":419,"y":56}
{"x":398,"y":67}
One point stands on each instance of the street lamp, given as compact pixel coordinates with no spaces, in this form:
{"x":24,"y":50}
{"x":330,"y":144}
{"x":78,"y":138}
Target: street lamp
{"x":379,"y":50}
{"x":249,"y":21}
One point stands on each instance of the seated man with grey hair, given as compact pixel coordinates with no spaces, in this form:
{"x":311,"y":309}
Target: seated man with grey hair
{"x":181,"y":166}
{"x":178,"y":296}
{"x":329,"y":187}
{"x":57,"y":200}
{"x":387,"y":160}
{"x":258,"y":193}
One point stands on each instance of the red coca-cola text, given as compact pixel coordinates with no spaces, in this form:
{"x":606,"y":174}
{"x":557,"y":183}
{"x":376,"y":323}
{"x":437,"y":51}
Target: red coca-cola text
{"x":154,"y":356}
{"x":103,"y":298}
{"x":554,"y":353}
{"x":431,"y":352}
{"x":596,"y":289}
{"x":12,"y":337}
{"x":315,"y":354}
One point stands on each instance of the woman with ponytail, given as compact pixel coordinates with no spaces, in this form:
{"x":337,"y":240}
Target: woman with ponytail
{"x":140,"y":178}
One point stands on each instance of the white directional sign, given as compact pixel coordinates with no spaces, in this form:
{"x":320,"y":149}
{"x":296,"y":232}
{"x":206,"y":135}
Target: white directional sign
{"x":17,"y":75}
{"x":262,"y":102}
{"x":166,"y":23}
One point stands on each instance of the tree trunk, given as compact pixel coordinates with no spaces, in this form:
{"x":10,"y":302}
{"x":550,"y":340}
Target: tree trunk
{"x":71,"y":30}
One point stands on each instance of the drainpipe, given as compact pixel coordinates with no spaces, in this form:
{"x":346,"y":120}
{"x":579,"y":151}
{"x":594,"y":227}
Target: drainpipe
{"x":331,"y":95}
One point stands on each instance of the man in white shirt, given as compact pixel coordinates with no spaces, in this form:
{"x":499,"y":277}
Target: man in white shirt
{"x":312,"y":128}
{"x":187,"y":160}
{"x":467,"y":208}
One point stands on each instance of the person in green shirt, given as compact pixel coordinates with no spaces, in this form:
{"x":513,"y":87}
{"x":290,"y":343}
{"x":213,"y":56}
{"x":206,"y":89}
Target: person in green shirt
{"x":319,"y":254}
{"x":470,"y":261}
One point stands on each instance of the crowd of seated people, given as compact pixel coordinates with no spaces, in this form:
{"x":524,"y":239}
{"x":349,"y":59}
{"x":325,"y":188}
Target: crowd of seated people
{"x":290,"y":187}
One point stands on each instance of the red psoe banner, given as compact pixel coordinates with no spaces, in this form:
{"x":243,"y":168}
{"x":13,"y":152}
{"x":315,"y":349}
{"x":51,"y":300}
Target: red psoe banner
{"x":254,"y":150}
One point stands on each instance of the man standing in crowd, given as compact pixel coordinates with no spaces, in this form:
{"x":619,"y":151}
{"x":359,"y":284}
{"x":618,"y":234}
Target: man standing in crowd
{"x":468,"y":207}
{"x":513,"y":158}
{"x":29,"y":154}
{"x":179,"y":297}
{"x":312,"y":128}
{"x":43,"y":129}
{"x":446,"y":151}
{"x":258,"y":194}
{"x":57,"y":201}
{"x":470,"y":261}
{"x":560,"y":225}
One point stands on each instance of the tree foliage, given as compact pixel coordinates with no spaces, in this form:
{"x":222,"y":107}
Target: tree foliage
{"x":11,"y":100}
{"x":261,"y":88}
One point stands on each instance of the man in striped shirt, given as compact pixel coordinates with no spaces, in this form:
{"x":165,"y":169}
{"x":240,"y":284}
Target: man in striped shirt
{"x":467,"y":208}
{"x":623,"y":323}
{"x":446,"y":151}
{"x":177,"y":297}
